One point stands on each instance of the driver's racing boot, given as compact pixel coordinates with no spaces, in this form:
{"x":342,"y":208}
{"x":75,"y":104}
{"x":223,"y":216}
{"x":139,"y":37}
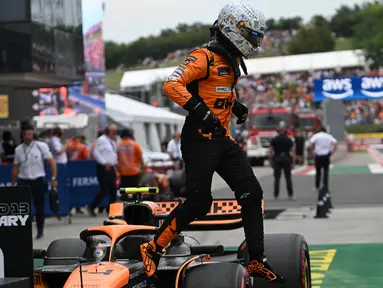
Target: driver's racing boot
{"x":262,"y":269}
{"x":151,"y":255}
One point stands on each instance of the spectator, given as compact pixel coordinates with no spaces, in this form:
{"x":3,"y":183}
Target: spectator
{"x":130,"y":160}
{"x":7,"y":148}
{"x":106,"y":157}
{"x":29,"y":170}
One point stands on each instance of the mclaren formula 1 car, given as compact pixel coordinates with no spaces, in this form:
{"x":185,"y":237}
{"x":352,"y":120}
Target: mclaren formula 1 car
{"x":109,"y":255}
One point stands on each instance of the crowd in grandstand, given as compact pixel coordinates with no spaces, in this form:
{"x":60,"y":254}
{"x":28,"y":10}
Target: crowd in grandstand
{"x":295,"y":89}
{"x":273,"y":45}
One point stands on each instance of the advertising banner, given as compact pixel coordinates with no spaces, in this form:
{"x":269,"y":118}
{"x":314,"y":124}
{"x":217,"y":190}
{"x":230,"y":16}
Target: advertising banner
{"x":77,"y":185}
{"x":16,"y":232}
{"x":94,"y":55}
{"x":349,"y":89}
{"x":62,"y":187}
{"x":4,"y":107}
{"x":364,"y":140}
{"x":82,"y":183}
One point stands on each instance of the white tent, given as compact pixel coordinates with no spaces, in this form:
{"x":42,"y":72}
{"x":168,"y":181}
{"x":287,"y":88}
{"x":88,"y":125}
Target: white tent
{"x":267,"y":65}
{"x":150,"y":124}
{"x":143,"y":78}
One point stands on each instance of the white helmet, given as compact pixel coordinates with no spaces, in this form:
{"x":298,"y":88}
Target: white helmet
{"x":243,"y":26}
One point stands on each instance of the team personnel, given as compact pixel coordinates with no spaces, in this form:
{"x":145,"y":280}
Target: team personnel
{"x":323,"y":145}
{"x":204,"y":85}
{"x":93,"y":145}
{"x":106,"y":156}
{"x":76,"y":150}
{"x":130,"y":161}
{"x":7,"y":148}
{"x":174,"y":149}
{"x":282,"y":157}
{"x":29,"y":170}
{"x":57,"y":148}
{"x":300,"y":148}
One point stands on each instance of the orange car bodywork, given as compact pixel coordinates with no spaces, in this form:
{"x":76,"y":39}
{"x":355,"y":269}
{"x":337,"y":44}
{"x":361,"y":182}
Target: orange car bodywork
{"x":99,"y":274}
{"x":107,"y":275}
{"x":111,"y":274}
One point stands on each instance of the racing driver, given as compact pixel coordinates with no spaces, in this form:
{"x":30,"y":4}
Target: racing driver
{"x":204,"y":84}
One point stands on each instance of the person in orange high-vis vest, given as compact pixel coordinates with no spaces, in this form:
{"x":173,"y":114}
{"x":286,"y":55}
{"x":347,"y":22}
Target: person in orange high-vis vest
{"x":77,"y":151}
{"x":130,"y":161}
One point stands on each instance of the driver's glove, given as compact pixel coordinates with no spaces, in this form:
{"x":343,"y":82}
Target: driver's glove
{"x":240,"y":111}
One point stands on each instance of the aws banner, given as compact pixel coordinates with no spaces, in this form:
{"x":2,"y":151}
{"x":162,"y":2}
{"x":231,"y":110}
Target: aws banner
{"x":348,"y":89}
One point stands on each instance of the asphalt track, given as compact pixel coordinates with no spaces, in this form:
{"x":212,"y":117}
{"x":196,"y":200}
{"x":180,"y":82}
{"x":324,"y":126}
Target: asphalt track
{"x":346,"y":190}
{"x":358,"y":200}
{"x":355,"y":221}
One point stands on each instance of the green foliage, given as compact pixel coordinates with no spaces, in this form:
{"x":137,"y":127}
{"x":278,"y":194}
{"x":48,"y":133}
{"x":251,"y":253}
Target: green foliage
{"x":157,"y":47}
{"x":113,"y":79}
{"x":318,"y":21}
{"x":342,"y":44}
{"x":312,"y":39}
{"x":285,"y":24}
{"x":364,"y":128}
{"x":360,"y":25}
{"x":368,"y":34}
{"x":343,"y":21}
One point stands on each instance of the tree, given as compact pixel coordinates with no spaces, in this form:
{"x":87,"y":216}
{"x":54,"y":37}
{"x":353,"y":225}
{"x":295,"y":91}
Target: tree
{"x":157,"y":47}
{"x":312,"y":39}
{"x":289,"y":23}
{"x":368,"y":34}
{"x":271,"y":24}
{"x":319,"y":20}
{"x":343,"y":21}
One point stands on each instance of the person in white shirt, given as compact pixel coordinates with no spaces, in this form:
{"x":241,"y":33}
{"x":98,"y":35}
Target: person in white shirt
{"x":174,"y":148}
{"x":29,"y":170}
{"x":106,"y":156}
{"x":58,"y":149}
{"x":323,"y":145}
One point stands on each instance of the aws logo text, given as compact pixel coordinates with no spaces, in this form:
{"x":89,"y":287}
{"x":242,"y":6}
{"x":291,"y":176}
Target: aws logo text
{"x":372,"y":83}
{"x":337,"y":88}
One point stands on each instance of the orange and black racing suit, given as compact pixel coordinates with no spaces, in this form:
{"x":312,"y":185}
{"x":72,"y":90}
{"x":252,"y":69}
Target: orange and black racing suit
{"x":208,"y":78}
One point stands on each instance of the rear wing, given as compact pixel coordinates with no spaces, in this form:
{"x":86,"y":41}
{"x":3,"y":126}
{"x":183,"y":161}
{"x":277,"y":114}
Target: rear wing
{"x":224,"y":214}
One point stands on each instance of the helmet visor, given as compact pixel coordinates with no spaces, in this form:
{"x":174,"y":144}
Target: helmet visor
{"x":255,"y":38}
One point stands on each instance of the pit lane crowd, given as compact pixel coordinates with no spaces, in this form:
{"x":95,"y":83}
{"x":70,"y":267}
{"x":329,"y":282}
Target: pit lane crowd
{"x":119,"y":159}
{"x":115,"y":153}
